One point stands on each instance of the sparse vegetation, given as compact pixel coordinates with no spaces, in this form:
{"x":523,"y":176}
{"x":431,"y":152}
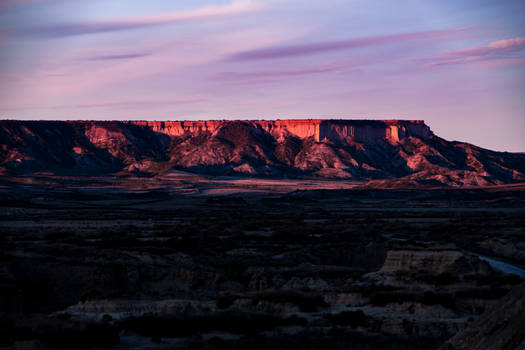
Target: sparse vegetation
{"x":307,"y":269}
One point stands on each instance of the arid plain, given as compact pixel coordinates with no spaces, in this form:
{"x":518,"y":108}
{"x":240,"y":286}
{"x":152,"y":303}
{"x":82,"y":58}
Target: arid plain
{"x":257,"y":235}
{"x":211,"y":262}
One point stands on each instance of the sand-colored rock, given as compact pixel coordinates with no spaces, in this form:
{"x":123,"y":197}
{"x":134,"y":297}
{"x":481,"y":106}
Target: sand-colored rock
{"x":435,"y":261}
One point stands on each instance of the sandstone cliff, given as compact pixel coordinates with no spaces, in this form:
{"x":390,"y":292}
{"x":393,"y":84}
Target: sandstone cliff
{"x":389,"y":152}
{"x":369,"y":131}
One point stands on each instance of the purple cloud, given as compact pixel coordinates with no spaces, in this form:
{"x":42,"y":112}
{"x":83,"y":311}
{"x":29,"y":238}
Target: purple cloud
{"x":496,"y":50}
{"x":83,"y":28}
{"x":234,"y":76}
{"x":115,"y":104}
{"x":266,"y":76}
{"x":133,"y":103}
{"x":315,"y":48}
{"x":117,"y":57}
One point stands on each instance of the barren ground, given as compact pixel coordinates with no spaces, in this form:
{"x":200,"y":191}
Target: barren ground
{"x":186,"y":261}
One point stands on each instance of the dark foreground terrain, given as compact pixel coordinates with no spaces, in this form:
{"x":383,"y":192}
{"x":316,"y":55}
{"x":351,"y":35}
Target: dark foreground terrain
{"x":354,"y":268}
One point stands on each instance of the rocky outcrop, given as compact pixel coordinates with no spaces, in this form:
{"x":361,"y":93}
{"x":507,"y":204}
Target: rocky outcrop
{"x":389,"y":153}
{"x":437,"y":261}
{"x":500,"y":327}
{"x":370,"y":131}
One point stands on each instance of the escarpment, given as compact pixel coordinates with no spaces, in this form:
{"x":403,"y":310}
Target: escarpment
{"x":386,"y":152}
{"x":369,"y":131}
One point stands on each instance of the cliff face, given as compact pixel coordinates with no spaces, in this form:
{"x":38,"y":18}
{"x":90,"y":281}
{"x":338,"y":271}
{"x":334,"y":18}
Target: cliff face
{"x":388,"y":150}
{"x":369,"y":131}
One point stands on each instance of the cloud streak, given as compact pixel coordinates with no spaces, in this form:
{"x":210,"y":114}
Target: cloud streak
{"x":506,"y":49}
{"x":323,"y":47}
{"x":234,"y":8}
{"x":115,"y":104}
{"x":264,"y":76}
{"x":117,"y":57}
{"x":234,"y":76}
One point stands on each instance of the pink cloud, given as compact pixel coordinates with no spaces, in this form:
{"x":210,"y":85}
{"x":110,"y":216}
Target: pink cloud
{"x":117,"y":57}
{"x":234,"y":8}
{"x":322,"y":68}
{"x":67,"y":76}
{"x":266,"y":76}
{"x":321,"y":47}
{"x":117,"y":104}
{"x":506,"y":49}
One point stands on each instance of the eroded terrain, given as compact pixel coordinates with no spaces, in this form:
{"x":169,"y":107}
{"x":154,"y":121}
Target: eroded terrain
{"x":161,"y":268}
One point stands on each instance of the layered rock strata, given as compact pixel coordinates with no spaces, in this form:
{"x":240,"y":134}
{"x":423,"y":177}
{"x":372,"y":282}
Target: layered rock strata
{"x":389,"y":153}
{"x":335,"y":130}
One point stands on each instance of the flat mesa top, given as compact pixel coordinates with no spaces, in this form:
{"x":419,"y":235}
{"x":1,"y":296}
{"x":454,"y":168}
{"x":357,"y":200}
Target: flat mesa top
{"x":313,"y":121}
{"x":228,"y":120}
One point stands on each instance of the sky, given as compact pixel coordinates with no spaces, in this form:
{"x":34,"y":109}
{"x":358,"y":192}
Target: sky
{"x":458,"y":65}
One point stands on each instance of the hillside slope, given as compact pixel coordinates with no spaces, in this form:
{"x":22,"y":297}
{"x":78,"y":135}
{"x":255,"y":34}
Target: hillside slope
{"x":500,"y":327}
{"x":389,"y":153}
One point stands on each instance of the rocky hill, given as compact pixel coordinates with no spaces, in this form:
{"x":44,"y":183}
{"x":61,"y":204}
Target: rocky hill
{"x":500,"y":327}
{"x":388,"y":153}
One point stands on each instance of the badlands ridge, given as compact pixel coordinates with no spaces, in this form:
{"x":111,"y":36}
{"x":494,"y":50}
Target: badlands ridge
{"x":368,"y":131}
{"x":382,"y":153}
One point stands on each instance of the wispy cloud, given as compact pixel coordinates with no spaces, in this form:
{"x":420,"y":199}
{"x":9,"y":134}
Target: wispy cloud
{"x":506,"y":49}
{"x":174,"y":101}
{"x":235,"y":76}
{"x":115,"y":104}
{"x":117,"y":57}
{"x":67,"y":76}
{"x":234,"y":8}
{"x":322,"y":47}
{"x":265,"y":76}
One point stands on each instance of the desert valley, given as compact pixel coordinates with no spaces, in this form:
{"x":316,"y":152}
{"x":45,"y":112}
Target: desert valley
{"x":262,"y":174}
{"x":258,"y":234}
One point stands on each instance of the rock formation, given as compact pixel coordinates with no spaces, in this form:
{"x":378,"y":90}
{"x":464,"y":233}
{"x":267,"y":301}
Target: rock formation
{"x":369,"y":131}
{"x":500,"y":327}
{"x":387,"y":152}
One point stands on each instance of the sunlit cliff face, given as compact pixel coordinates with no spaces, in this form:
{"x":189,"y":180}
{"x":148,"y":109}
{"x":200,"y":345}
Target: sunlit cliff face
{"x":334,"y":130}
{"x":363,"y":150}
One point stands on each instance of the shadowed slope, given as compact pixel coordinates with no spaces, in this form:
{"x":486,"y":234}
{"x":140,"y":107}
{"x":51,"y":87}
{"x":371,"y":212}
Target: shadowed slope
{"x":390,"y":153}
{"x":500,"y":327}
